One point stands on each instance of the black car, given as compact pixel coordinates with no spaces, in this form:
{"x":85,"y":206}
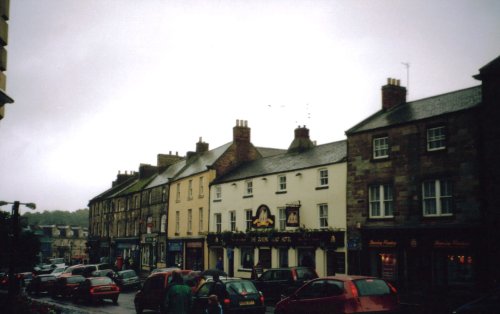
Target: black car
{"x":41,"y":283}
{"x":241,"y":297}
{"x":66,"y":285}
{"x":277,"y":282}
{"x":128,"y":279}
{"x":486,"y":304}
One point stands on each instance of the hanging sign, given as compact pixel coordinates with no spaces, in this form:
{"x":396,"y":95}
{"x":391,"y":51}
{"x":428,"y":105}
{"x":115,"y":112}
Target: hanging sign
{"x":263,"y":218}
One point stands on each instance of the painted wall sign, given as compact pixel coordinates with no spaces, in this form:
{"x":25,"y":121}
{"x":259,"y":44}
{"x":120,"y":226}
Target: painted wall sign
{"x":263,"y":218}
{"x":382,"y":243}
{"x":292,"y":216}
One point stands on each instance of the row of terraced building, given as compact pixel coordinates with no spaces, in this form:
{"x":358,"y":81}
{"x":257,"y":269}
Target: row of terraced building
{"x":410,"y":195}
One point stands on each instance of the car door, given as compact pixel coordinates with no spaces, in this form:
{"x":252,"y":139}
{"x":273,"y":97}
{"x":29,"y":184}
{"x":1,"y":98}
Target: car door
{"x":200,"y":299}
{"x":318,"y":297}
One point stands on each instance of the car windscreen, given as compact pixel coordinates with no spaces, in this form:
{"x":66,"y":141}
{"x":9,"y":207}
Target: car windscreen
{"x":75,"y":279}
{"x":127,"y":274}
{"x":305,"y":274}
{"x":372,"y":287}
{"x":101,"y":281}
{"x":240,"y":287}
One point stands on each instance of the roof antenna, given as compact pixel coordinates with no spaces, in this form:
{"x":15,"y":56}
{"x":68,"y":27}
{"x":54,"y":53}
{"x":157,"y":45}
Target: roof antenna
{"x":407,"y":65}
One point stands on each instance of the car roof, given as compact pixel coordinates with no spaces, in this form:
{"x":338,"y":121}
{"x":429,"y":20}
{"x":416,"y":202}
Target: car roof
{"x":348,"y":277}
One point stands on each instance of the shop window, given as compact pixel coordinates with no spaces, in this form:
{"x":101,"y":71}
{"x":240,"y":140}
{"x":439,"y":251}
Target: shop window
{"x":265,"y":258}
{"x":247,"y":258}
{"x":460,"y":269}
{"x":335,"y":263}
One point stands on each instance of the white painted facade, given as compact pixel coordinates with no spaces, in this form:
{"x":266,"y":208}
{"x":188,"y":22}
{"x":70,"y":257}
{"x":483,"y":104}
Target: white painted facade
{"x":302,"y":187}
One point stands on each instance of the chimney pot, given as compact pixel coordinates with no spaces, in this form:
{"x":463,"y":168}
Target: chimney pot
{"x":393,"y":94}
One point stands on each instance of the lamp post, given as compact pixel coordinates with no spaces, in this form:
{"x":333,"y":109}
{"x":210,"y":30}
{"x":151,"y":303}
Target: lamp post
{"x":13,"y":289}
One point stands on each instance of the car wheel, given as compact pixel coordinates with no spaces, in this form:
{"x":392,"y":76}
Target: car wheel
{"x":138,"y":308}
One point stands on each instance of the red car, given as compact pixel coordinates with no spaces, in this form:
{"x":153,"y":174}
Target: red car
{"x":65,"y":286}
{"x":151,"y":295}
{"x":342,"y":294}
{"x":97,"y":288}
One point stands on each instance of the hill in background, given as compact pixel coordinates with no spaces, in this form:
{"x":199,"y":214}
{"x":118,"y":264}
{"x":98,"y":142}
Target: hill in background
{"x":58,"y":217}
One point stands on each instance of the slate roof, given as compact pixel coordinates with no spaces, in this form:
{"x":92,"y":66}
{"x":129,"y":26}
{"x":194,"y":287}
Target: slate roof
{"x":137,"y":186}
{"x":115,"y":189}
{"x":169,"y":173}
{"x":199,"y":163}
{"x":317,"y":156}
{"x":267,"y":151}
{"x":421,"y":109}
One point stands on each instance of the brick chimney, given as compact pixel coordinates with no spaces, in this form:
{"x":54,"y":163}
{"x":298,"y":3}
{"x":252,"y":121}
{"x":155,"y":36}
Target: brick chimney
{"x":146,"y":170}
{"x":393,"y":94}
{"x":165,"y":160}
{"x":301,"y":142}
{"x":241,"y":132}
{"x":122,"y":177}
{"x":201,"y":146}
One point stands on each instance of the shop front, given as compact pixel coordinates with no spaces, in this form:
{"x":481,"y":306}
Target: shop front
{"x":194,"y":254}
{"x":148,"y":247}
{"x":322,"y":250}
{"x":417,"y":258}
{"x":175,"y":253}
{"x":128,"y":249}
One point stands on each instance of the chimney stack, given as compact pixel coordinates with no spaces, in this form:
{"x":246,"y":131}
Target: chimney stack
{"x":241,"y":132}
{"x":165,"y":160}
{"x":201,"y":146}
{"x":393,"y":94}
{"x":301,"y":142}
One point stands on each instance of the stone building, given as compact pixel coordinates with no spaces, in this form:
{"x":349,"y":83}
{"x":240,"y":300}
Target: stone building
{"x":415,"y":187}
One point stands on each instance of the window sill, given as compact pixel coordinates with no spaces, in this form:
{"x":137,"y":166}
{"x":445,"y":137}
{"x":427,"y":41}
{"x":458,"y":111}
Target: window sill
{"x":217,"y":200}
{"x":281,"y":192}
{"x":245,"y":270}
{"x":247,"y":196}
{"x":322,"y":187}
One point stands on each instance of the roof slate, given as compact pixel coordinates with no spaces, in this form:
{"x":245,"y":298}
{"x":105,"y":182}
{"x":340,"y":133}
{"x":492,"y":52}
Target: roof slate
{"x":319,"y":155}
{"x":421,"y":109}
{"x":199,"y":163}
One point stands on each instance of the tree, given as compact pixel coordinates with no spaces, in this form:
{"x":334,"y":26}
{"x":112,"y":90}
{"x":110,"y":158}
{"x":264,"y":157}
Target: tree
{"x":59,"y":217}
{"x":27,"y":256}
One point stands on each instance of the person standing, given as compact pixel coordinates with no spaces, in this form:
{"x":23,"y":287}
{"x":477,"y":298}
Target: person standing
{"x":218,"y":288}
{"x":220,"y":264}
{"x":178,"y":299}
{"x":213,"y":306}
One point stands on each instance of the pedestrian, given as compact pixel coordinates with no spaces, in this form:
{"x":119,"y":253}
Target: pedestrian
{"x":213,"y":306}
{"x":218,"y":288}
{"x":178,"y":299}
{"x":220,"y":264}
{"x":257,"y":270}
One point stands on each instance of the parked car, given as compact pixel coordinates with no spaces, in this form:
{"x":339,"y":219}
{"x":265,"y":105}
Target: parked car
{"x":25,"y":278}
{"x":241,"y":297}
{"x":128,"y":279}
{"x":97,"y":288}
{"x":489,"y":303}
{"x":277,"y":282}
{"x":41,"y":283}
{"x":65,"y":286}
{"x":342,"y":294}
{"x":58,"y":271}
{"x":85,"y":270}
{"x":164,"y":269}
{"x":150,"y":296}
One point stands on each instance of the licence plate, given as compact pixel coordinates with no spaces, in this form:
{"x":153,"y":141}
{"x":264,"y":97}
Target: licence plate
{"x":105,"y":289}
{"x":250,"y":302}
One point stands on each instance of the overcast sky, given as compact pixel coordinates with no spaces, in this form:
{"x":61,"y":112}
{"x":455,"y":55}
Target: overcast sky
{"x":101,"y":86}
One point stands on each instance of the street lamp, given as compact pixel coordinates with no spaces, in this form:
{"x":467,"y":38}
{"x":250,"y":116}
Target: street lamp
{"x":14,"y":245}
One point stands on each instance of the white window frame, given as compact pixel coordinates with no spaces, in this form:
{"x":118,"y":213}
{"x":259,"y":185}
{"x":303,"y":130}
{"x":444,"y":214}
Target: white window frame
{"x":323,"y":177}
{"x":282,"y":183}
{"x":190,"y":189}
{"x":323,"y":215}
{"x":177,"y":222}
{"x":437,"y":198}
{"x":248,"y":219}
{"x":178,"y":192}
{"x":282,"y":218}
{"x":232,"y":220}
{"x":201,"y":187}
{"x":381,"y":201}
{"x":381,"y":147}
{"x":436,"y":136}
{"x":163,"y":223}
{"x":249,"y":188}
{"x":200,"y":219}
{"x":190,"y":220}
{"x":218,"y":222}
{"x":217,"y":192}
